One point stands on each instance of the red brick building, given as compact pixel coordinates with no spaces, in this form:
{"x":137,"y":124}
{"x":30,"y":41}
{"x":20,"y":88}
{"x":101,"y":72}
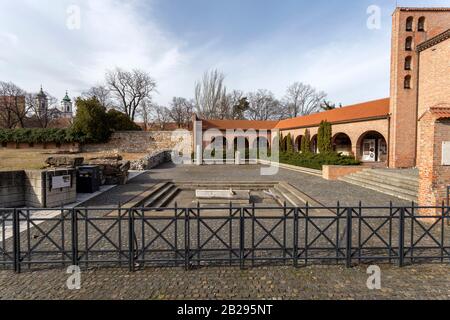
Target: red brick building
{"x":384,"y":130}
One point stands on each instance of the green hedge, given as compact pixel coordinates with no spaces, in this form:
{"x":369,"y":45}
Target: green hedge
{"x":317,"y":161}
{"x":39,"y":136}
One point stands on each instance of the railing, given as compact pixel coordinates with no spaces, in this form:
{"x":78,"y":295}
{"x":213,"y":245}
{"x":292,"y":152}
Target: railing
{"x":235,"y":236}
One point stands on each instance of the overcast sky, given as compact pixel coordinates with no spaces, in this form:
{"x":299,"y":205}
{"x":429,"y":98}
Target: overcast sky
{"x":256,"y":43}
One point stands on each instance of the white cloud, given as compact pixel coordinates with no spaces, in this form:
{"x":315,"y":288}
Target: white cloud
{"x":112,"y":33}
{"x":40,"y":49}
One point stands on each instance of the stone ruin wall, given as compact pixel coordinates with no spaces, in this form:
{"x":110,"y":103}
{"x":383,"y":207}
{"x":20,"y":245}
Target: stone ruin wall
{"x":141,"y":142}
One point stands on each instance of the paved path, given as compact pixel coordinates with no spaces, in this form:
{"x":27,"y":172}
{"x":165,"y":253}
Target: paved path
{"x":317,"y":282}
{"x":313,"y":282}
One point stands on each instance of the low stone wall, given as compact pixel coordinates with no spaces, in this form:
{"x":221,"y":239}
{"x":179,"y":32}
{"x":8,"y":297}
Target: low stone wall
{"x":151,"y":161}
{"x":141,"y":142}
{"x":34,"y":189}
{"x":12,"y":186}
{"x":336,"y":172}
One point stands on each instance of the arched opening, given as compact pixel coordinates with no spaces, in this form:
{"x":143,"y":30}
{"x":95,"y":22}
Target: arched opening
{"x":314,"y":144}
{"x":298,"y":143}
{"x":421,"y":24}
{"x":409,"y":24}
{"x":409,"y":44}
{"x":408,"y":63}
{"x":261,"y":144}
{"x":242,"y":144}
{"x":407,"y":82}
{"x":219,"y":147}
{"x":373,"y":147}
{"x":342,"y":144}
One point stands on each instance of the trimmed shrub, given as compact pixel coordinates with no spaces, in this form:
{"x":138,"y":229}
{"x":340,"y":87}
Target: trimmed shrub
{"x":289,"y":143}
{"x":306,"y":143}
{"x":324,"y":137}
{"x":34,"y":136}
{"x":317,"y":161}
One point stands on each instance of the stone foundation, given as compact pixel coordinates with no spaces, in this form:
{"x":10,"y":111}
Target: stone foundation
{"x":34,"y":189}
{"x":141,"y":142}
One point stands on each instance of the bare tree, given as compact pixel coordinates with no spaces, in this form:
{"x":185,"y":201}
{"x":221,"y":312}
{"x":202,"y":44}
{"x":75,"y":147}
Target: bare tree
{"x":130,"y":88}
{"x":161,"y":116}
{"x":301,"y":99}
{"x":41,"y":118}
{"x":103,"y":95}
{"x":211,"y":95}
{"x":13,"y":109}
{"x":264,"y":106}
{"x":181,"y":111}
{"x":145,"y":111}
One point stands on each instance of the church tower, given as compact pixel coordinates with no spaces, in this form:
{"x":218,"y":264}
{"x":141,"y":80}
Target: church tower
{"x":66,"y":107}
{"x":42,"y":102}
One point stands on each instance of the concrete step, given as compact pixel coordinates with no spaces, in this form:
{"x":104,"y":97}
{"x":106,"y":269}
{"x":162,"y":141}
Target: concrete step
{"x":157,"y":195}
{"x":385,"y":180}
{"x":399,"y":193}
{"x":291,"y":199}
{"x":393,"y":176}
{"x":168,"y":197}
{"x":383,"y":185}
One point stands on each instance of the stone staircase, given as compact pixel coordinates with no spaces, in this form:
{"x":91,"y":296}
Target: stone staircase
{"x":400,"y":183}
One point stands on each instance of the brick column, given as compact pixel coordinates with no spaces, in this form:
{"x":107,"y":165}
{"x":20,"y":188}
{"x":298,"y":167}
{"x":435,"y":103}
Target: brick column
{"x":434,"y":177}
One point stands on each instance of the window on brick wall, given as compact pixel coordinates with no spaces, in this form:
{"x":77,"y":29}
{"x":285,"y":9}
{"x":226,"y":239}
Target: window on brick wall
{"x":409,"y":44}
{"x":408,"y":63}
{"x":409,"y":24}
{"x":408,"y":82}
{"x":421,"y":24}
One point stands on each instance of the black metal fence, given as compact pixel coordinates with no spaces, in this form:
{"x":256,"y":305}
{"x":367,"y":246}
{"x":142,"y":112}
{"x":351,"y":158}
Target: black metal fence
{"x":234,"y":236}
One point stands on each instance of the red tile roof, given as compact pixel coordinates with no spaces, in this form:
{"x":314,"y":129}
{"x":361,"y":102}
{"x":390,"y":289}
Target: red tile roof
{"x":363,"y":111}
{"x":441,"y":111}
{"x":377,"y":109}
{"x":239,"y":124}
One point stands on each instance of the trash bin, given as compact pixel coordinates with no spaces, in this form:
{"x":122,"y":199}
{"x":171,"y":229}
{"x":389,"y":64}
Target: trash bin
{"x":88,"y":179}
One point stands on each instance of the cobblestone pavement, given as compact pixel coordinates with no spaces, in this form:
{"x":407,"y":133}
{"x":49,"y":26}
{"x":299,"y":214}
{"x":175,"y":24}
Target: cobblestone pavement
{"x":315,"y":282}
{"x":326,"y":192}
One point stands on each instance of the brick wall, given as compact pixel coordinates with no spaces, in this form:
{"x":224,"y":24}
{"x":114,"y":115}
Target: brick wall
{"x":404,"y":101}
{"x":434,"y":76}
{"x":434,"y":177}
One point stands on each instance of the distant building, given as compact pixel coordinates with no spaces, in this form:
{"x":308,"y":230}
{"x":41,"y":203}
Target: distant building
{"x":66,"y":107}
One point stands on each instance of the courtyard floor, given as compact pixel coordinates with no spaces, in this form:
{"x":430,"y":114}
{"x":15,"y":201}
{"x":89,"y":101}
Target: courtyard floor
{"x":312,"y":282}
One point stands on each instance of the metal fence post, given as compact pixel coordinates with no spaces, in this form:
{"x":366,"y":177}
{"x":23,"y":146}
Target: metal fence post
{"x":74,"y":237}
{"x":187,"y":240}
{"x":401,"y":238}
{"x":349,"y":237}
{"x":295,"y":253}
{"x":131,"y":239}
{"x":242,"y":239}
{"x":16,"y":241}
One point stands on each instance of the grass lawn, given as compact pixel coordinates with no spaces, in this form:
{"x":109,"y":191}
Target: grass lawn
{"x":21,"y":159}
